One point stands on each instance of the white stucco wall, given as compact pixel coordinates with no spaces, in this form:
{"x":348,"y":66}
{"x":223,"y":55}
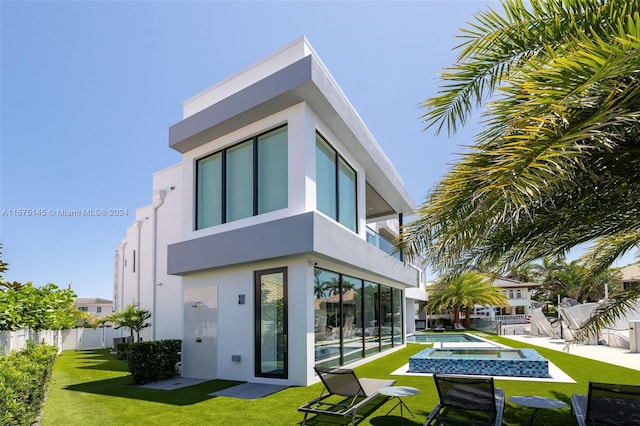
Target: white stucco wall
{"x":226,"y":328}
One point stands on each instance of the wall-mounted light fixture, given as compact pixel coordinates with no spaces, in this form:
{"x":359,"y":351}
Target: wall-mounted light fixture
{"x":241,"y":299}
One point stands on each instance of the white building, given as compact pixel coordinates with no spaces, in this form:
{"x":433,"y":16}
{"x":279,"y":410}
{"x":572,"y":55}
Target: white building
{"x":94,"y":305}
{"x":518,"y":294}
{"x":261,"y":249}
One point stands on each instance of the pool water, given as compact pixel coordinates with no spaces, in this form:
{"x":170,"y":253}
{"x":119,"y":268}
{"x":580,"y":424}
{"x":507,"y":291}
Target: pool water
{"x":478,"y":353}
{"x":442,"y":337}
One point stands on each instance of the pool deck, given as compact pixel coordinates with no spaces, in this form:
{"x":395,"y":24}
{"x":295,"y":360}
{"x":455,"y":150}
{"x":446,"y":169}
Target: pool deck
{"x":615,"y":356}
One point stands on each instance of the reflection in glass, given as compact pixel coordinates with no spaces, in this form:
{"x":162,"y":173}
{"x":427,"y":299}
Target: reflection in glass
{"x":386,"y":317}
{"x":351,"y":319}
{"x":326,"y":313}
{"x":272,"y":324}
{"x":397,"y":317}
{"x":371,"y":318}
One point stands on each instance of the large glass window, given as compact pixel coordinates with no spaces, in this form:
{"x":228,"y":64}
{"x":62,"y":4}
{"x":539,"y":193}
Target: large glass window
{"x":335,"y":185}
{"x":353,"y":318}
{"x":209,"y":191}
{"x":239,"y":181}
{"x":347,"y":195}
{"x":246,"y":179}
{"x":326,"y":178}
{"x":272,"y":171}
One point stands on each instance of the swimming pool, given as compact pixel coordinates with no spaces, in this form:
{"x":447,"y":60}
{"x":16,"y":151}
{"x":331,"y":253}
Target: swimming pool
{"x":443,"y":337}
{"x":513,"y":362}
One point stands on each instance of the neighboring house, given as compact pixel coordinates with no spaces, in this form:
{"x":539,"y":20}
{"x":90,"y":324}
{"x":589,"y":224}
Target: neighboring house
{"x":95,"y":306}
{"x":519,"y":295}
{"x":266,"y":247}
{"x":630,"y":275}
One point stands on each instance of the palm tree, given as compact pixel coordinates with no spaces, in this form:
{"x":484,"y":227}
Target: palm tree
{"x":557,"y":160}
{"x":130,"y":317}
{"x":464,"y":290}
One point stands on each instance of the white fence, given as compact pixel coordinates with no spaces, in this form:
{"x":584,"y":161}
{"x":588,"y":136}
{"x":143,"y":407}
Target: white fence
{"x":72,"y":339}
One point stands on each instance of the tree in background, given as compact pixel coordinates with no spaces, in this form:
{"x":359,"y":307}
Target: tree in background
{"x":39,"y":308}
{"x":557,"y":160}
{"x":464,"y":291}
{"x":130,"y":317}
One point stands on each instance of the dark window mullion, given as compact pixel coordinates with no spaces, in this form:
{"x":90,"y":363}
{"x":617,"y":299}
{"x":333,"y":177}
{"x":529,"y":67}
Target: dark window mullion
{"x":336,"y":162}
{"x":255,"y":176}
{"x":224,"y":187}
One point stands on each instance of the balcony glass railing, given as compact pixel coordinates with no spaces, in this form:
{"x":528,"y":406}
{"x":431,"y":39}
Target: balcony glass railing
{"x":379,"y":241}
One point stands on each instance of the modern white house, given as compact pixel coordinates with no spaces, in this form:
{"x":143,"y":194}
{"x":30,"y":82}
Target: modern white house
{"x":94,"y":305}
{"x":266,"y":249}
{"x":518,"y":294}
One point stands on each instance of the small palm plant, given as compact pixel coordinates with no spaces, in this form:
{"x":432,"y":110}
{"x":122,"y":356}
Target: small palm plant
{"x":130,"y":317}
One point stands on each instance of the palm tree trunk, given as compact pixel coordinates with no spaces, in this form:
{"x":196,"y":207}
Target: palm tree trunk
{"x":467,"y":318}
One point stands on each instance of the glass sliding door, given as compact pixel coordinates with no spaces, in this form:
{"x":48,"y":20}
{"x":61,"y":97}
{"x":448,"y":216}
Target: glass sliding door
{"x":271,"y":323}
{"x":371,"y":318}
{"x":326,"y":318}
{"x":398,"y":334}
{"x":386,"y":317}
{"x":351,"y":319}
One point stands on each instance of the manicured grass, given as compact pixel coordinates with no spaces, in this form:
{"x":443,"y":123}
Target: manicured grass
{"x":93,"y":388}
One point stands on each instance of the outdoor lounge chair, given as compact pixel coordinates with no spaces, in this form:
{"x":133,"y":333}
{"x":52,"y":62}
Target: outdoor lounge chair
{"x":466,"y":395}
{"x":343,"y":393}
{"x":607,"y":403}
{"x":458,"y":326}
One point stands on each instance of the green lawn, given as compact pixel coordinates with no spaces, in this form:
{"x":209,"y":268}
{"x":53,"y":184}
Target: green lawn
{"x":93,"y":388}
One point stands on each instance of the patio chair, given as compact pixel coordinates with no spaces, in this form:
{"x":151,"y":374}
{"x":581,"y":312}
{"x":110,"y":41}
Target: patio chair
{"x":458,"y":326}
{"x":607,"y":403}
{"x":343,"y":393}
{"x":463,"y":396}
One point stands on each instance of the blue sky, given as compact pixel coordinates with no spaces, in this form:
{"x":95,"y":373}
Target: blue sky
{"x":89,"y":90}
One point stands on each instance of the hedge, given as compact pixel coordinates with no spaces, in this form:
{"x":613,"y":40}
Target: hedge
{"x":24,"y":379}
{"x":154,"y":360}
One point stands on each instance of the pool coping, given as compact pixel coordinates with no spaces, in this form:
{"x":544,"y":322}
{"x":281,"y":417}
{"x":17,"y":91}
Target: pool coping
{"x":557,"y":375}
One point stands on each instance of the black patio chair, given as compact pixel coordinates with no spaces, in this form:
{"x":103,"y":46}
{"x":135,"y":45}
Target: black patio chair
{"x":343,"y":393}
{"x":609,"y":404}
{"x":464,"y":395}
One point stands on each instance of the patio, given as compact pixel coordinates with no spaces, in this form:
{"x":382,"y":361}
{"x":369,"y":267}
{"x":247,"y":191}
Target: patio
{"x":93,"y":388}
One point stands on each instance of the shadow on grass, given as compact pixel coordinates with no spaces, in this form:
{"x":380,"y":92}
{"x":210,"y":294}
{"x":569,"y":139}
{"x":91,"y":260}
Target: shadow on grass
{"x":101,"y":359}
{"x":363,"y":413}
{"x":515,"y":413}
{"x":123,"y":387}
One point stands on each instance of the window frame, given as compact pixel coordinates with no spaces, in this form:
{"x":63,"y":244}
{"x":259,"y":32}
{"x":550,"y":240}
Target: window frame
{"x":224,"y":178}
{"x":339,"y":160}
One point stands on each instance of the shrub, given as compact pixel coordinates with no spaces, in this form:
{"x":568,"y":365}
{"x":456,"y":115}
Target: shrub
{"x":24,"y":378}
{"x":123,"y":349}
{"x":150,"y":361}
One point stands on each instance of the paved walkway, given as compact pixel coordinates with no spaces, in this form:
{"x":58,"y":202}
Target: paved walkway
{"x":615,"y":356}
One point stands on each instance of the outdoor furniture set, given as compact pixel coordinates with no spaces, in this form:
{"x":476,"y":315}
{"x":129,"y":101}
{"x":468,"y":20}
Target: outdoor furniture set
{"x":344,"y":394}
